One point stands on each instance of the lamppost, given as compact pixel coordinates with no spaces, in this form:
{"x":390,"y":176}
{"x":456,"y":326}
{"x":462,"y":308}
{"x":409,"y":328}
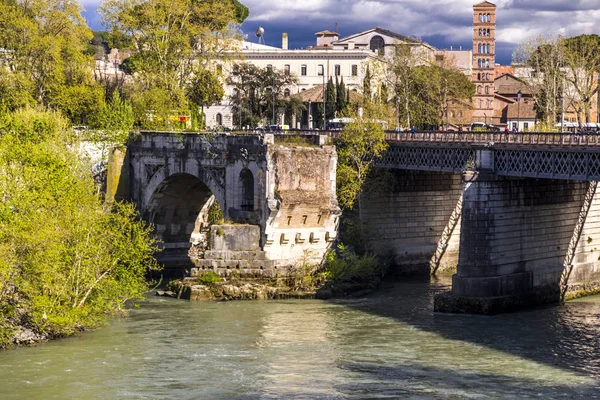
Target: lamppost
{"x":447,"y":110}
{"x":324,"y":97}
{"x":562,"y":112}
{"x":519,"y":95}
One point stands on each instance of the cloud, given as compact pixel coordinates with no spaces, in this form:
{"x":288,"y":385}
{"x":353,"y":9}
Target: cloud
{"x":443,"y":23}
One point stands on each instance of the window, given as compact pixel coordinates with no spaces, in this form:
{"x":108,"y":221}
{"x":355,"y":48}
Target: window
{"x":320,"y":70}
{"x":269,"y":67}
{"x":354,"y":70}
{"x":478,"y":89}
{"x":286,"y":69}
{"x":219,"y":119}
{"x":525,"y":126}
{"x":487,"y":90}
{"x":247,"y":186}
{"x":236,"y":69}
{"x":286,"y":92}
{"x":514,"y":126}
{"x":377,"y":44}
{"x":338,"y":69}
{"x":478,"y":77}
{"x":303,"y":70}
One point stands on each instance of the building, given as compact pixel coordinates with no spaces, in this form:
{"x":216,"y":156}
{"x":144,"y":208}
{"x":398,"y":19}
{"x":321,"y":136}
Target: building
{"x":484,"y":57}
{"x":345,"y":58}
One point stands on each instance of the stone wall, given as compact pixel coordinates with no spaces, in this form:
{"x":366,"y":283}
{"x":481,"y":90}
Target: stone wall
{"x":407,"y":217}
{"x":516,"y":236}
{"x":304,"y":211}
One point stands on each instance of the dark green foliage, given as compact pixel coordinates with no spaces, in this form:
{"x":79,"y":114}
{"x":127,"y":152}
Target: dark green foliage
{"x":340,"y":97}
{"x":330,"y":99}
{"x":346,"y":266}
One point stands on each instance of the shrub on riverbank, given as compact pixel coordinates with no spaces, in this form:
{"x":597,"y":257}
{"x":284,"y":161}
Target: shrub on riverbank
{"x":66,"y":259}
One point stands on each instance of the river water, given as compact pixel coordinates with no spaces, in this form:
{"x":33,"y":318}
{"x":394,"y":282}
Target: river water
{"x":389,"y":345}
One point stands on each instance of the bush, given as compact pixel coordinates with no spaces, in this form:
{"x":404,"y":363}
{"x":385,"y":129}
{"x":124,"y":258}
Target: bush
{"x":210,"y":278}
{"x":347,"y":266}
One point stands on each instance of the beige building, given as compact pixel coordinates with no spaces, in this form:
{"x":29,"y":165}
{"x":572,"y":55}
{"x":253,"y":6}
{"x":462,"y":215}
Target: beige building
{"x":345,"y":58}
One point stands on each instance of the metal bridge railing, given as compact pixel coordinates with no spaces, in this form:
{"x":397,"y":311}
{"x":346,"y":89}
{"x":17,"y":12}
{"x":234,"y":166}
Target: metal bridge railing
{"x":513,"y":138}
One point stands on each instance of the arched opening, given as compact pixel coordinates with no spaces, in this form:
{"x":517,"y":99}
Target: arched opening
{"x":377,"y":44}
{"x":286,"y":93}
{"x":247,"y":192}
{"x":219,"y":119}
{"x":180,"y":209}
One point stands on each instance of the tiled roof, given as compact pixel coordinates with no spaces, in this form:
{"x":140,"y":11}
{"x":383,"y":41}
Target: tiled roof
{"x":508,"y":85}
{"x":383,"y":32}
{"x":485,"y":4}
{"x":525,"y":110}
{"x":326,"y":32}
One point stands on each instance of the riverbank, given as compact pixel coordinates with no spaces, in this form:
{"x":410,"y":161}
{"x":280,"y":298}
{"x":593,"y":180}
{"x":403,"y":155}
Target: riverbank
{"x":193,"y":289}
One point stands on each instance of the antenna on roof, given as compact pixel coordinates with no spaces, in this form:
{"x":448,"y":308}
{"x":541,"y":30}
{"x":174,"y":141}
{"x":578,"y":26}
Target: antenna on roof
{"x":260,"y":34}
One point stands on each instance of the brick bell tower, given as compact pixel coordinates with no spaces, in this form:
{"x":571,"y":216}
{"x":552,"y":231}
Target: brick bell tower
{"x":484,"y":60}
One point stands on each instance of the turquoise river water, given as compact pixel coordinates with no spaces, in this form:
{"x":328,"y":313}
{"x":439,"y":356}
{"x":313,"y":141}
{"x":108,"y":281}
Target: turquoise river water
{"x":389,"y":345}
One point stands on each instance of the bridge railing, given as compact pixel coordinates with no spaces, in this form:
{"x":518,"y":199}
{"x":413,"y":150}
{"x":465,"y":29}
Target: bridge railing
{"x":520,"y":138}
{"x":513,"y":138}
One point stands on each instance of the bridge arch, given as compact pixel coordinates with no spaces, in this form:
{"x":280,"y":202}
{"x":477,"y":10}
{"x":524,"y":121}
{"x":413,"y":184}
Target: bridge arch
{"x":179,"y":207}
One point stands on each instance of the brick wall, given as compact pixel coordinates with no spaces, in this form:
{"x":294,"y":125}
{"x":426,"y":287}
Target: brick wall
{"x":406,"y":219}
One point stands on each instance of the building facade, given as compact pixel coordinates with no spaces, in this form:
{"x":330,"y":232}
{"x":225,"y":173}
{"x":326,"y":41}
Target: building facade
{"x":484,"y":58}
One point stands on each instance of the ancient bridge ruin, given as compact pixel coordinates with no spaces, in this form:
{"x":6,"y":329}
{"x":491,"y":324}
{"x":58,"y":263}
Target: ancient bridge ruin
{"x":278,"y":203}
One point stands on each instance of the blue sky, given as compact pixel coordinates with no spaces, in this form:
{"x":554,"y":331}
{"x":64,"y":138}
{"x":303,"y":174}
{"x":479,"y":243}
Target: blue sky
{"x":442,"y":23}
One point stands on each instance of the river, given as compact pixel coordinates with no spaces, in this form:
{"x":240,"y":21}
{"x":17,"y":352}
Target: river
{"x":388,"y":345}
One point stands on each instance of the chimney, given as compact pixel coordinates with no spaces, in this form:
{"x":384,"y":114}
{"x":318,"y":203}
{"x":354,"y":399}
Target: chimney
{"x":284,"y":41}
{"x":350,"y":45}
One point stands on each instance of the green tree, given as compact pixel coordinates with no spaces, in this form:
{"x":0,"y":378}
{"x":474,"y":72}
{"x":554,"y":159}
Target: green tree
{"x":177,"y":40}
{"x":255,"y":91}
{"x":67,"y":258}
{"x":340,"y":97}
{"x":359,"y":145}
{"x":367,"y":84}
{"x":44,"y":57}
{"x":205,"y":89}
{"x":330,"y":99}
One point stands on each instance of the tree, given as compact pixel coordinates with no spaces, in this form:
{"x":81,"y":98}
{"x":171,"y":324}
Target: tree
{"x":367,"y":84}
{"x":205,"y":89}
{"x":582,"y":64}
{"x":359,"y":145}
{"x":67,"y":259}
{"x":176,"y":41}
{"x":44,"y":59}
{"x":340,"y":97}
{"x":330,"y":99}
{"x":545,"y":56}
{"x":256,"y":91}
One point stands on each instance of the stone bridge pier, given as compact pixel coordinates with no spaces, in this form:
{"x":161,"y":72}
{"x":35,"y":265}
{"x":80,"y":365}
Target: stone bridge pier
{"x":278,"y":203}
{"x":523,"y":242}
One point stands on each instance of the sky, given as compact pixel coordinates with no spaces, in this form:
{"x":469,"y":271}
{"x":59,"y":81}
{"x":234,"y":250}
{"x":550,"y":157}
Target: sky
{"x":441,"y":23}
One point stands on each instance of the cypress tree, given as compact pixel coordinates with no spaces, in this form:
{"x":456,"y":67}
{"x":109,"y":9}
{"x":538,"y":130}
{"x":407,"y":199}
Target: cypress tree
{"x":330,"y":107}
{"x":340,"y":96}
{"x":367,"y":84}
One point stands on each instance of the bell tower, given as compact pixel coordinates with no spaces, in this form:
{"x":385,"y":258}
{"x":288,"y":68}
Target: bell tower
{"x":484,"y":60}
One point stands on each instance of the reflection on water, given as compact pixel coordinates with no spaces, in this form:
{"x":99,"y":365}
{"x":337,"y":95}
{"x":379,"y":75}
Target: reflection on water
{"x":389,"y":345}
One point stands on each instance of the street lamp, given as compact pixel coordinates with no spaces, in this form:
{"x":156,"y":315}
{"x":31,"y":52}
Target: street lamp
{"x":447,"y":110}
{"x":519,"y":95}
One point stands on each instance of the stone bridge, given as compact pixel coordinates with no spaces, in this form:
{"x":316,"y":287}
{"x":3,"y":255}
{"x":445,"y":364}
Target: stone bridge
{"x":278,"y":202}
{"x":516,"y":214}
